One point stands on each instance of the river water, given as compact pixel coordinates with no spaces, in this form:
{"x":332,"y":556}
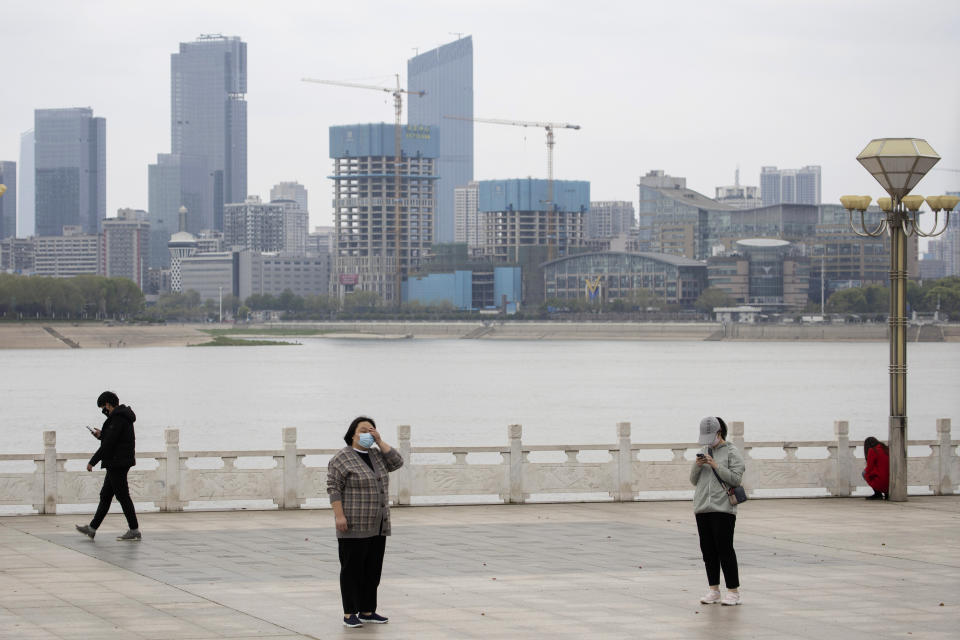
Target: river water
{"x":466,"y":392}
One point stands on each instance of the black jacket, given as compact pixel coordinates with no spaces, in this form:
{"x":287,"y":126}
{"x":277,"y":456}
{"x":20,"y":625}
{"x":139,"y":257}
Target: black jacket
{"x":117,"y":440}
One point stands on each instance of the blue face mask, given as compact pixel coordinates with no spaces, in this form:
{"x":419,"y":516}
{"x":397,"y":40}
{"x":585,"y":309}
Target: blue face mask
{"x":365,"y":440}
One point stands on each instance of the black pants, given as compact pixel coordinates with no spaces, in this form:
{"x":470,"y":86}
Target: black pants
{"x":361,"y":561}
{"x":115,"y":484}
{"x":716,"y":545}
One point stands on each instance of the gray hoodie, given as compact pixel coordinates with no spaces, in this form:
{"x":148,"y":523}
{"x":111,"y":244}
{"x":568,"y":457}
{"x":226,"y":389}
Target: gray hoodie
{"x":709,"y":494}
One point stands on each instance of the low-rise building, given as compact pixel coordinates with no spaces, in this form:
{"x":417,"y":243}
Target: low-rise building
{"x":74,"y":253}
{"x":476,"y":289}
{"x":607,"y":276}
{"x":763,"y":272}
{"x":245,"y":273}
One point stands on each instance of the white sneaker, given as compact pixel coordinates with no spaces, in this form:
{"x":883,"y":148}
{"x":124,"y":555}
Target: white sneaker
{"x":712,"y":597}
{"x":732,"y":598}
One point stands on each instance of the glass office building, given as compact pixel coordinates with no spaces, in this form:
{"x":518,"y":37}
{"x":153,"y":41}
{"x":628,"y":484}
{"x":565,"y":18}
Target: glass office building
{"x":446,"y":75}
{"x":208,"y":124}
{"x":70,"y":160}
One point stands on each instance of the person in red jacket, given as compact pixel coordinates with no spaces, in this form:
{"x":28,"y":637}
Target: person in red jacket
{"x":877,"y":473}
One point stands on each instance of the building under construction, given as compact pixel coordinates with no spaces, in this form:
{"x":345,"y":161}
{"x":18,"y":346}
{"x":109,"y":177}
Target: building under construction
{"x":367,"y":212}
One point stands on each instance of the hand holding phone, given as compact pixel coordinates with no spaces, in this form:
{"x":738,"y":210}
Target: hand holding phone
{"x":700,"y":455}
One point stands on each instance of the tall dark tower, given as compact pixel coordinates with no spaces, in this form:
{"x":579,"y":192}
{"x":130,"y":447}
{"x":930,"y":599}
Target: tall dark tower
{"x":446,"y":74}
{"x":207,"y":165}
{"x":71,"y":170}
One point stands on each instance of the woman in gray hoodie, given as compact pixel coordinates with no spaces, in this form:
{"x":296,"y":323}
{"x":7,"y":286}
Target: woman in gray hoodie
{"x":718,"y":464}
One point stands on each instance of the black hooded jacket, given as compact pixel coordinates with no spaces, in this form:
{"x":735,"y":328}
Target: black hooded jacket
{"x":117,"y":440}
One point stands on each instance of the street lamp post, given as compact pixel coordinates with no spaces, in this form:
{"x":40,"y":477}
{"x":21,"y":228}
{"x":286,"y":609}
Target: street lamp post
{"x":898,"y":164}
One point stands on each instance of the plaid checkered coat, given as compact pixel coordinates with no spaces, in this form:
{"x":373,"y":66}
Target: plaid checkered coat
{"x":363,"y":492}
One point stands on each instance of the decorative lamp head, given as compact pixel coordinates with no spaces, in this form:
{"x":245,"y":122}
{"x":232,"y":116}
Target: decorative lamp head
{"x":898,"y":164}
{"x":913,"y":203}
{"x":885,"y":204}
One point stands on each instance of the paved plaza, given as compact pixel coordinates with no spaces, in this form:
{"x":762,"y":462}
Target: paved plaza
{"x":823,"y":568}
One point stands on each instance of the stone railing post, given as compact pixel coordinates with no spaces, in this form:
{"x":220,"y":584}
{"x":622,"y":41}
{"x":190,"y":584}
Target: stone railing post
{"x":290,"y":464}
{"x":624,"y":464}
{"x":171,"y":499}
{"x":404,"y":473}
{"x":515,"y":433}
{"x":736,"y":435}
{"x":944,"y":485}
{"x":49,"y":473}
{"x":843,"y":463}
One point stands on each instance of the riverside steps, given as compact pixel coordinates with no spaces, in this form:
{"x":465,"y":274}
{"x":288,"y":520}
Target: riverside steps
{"x":817,"y":569}
{"x":514,"y":473}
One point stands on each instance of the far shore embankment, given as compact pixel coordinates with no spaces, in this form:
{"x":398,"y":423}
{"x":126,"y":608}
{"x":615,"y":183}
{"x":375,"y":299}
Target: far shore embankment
{"x":38,"y":335}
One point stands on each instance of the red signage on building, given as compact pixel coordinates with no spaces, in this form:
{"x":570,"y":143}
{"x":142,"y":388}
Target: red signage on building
{"x":349,"y":278}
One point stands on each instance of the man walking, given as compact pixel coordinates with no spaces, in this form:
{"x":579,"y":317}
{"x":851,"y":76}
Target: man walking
{"x":116,"y":455}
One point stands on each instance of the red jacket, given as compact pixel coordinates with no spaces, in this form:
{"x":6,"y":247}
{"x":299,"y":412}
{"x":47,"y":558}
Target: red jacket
{"x":877,"y":473}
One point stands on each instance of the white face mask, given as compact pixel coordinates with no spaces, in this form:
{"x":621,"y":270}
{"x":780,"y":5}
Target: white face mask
{"x":717,"y":441}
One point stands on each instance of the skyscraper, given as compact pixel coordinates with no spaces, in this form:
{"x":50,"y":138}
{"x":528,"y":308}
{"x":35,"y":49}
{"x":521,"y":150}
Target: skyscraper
{"x":207,"y":166}
{"x":8,"y":201}
{"x":71,"y":170}
{"x":177,"y":181}
{"x":26,"y":208}
{"x":446,"y":75}
{"x":790,"y":186}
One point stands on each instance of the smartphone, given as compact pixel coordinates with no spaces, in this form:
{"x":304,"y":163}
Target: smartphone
{"x":90,"y":429}
{"x":700,"y":455}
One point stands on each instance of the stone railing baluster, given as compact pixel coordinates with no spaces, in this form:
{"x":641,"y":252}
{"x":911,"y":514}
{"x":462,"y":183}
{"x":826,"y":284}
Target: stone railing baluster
{"x":843,"y":461}
{"x":171,"y":499}
{"x":944,"y":486}
{"x":404,"y":473}
{"x":49,"y":505}
{"x":515,"y":464}
{"x":291,"y":488}
{"x":736,"y":434}
{"x":624,"y":491}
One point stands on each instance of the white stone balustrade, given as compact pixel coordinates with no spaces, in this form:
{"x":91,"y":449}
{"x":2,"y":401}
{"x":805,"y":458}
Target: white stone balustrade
{"x":180,"y":479}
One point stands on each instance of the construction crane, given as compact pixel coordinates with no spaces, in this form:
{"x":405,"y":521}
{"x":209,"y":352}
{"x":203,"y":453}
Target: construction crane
{"x":549,"y":127}
{"x":397,"y":93}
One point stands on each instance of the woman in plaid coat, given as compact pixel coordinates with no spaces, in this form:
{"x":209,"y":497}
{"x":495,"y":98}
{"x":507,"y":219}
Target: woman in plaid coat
{"x":358,"y":486}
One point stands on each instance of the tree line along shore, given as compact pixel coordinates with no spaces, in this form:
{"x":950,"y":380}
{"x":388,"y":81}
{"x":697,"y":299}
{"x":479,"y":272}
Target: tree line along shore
{"x":40,"y":335}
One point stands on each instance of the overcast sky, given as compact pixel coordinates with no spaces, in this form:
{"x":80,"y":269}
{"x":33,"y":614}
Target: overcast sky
{"x":695,"y":88}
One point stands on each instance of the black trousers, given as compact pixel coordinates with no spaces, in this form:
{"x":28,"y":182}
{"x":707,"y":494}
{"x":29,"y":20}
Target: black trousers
{"x":716,"y":545}
{"x":115,"y":484}
{"x":361,"y":561}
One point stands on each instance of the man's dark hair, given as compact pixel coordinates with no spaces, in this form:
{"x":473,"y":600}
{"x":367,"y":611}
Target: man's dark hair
{"x":348,"y":436}
{"x":108,"y":397}
{"x":723,"y":427}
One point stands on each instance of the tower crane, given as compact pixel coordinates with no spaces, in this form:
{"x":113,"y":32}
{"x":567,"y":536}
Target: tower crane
{"x":549,"y":127}
{"x":397,"y":93}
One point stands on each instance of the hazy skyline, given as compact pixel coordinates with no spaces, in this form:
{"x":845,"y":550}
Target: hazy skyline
{"x":694,"y":88}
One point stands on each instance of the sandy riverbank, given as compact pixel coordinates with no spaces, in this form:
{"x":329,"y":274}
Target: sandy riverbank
{"x":98,"y":336}
{"x":102,"y":336}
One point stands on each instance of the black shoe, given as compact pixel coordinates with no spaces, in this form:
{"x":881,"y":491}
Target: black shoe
{"x":352,"y":621}
{"x":374,"y":618}
{"x":87,"y":530}
{"x":876,"y":496}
